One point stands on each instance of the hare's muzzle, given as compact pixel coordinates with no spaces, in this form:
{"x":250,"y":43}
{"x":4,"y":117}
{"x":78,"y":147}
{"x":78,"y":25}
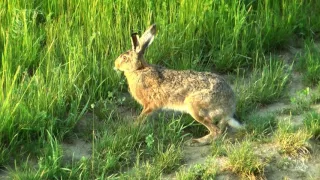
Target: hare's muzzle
{"x":116,"y":65}
{"x":117,"y":70}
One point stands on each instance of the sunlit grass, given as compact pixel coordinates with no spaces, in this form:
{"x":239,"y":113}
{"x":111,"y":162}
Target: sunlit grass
{"x":208,"y":170}
{"x":292,"y":141}
{"x":242,"y":160}
{"x":264,"y":86}
{"x":309,"y":63}
{"x":56,"y":59}
{"x":260,"y":126}
{"x":312,"y":124}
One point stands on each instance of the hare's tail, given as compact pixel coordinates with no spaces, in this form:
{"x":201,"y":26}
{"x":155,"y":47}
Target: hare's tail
{"x":235,"y":124}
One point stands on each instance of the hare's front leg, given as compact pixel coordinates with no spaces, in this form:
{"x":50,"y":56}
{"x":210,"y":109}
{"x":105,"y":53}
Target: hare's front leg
{"x":144,"y":113}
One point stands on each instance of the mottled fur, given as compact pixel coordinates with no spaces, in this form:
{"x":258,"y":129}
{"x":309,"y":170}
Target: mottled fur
{"x":205,"y":96}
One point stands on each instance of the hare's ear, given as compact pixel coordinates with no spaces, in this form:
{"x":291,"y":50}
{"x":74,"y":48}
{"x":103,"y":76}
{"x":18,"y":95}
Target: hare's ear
{"x":135,"y":42}
{"x":147,"y":38}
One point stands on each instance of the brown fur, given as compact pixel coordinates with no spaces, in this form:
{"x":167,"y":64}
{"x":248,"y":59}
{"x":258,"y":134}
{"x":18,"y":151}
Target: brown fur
{"x":205,"y":96}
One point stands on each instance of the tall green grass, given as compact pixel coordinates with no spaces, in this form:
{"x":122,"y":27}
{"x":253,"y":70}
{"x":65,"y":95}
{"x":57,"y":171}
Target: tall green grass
{"x":121,"y":150}
{"x":309,"y":63}
{"x":266,"y":84}
{"x":56,"y":56}
{"x":312,"y":124}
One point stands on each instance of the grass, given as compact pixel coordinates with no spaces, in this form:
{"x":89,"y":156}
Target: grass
{"x":301,"y":101}
{"x":264,"y":86}
{"x":218,"y":147}
{"x":56,"y":60}
{"x":242,"y":160}
{"x":120,"y":147}
{"x":164,"y":162}
{"x":291,"y":141}
{"x":309,"y":63}
{"x":49,"y":164}
{"x":207,"y":171}
{"x":312,"y":124}
{"x":261,"y":126}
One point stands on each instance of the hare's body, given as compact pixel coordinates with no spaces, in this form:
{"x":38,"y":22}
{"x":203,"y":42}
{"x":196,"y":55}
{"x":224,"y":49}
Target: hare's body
{"x":159,"y":88}
{"x":205,"y":96}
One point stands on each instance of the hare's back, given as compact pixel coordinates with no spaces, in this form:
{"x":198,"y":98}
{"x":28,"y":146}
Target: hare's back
{"x":209,"y":89}
{"x":193,"y":81}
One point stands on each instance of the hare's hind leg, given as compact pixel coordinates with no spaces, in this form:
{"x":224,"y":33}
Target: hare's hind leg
{"x":200,"y":114}
{"x":207,"y":139}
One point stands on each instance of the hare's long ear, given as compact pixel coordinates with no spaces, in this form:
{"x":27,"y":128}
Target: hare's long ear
{"x":146,"y":38}
{"x":135,"y":42}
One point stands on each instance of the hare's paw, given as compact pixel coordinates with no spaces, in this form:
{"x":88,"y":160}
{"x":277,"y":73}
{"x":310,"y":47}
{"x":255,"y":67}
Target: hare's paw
{"x":206,"y":140}
{"x":140,"y":120}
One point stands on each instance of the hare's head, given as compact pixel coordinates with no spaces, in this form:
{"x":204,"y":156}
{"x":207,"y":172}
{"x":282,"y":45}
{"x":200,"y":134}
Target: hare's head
{"x":133,"y":59}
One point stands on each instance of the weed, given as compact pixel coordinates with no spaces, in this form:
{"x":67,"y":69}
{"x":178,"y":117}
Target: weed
{"x":301,"y":101}
{"x":23,"y":171}
{"x":284,"y":163}
{"x":218,"y":147}
{"x":5,"y":150}
{"x":208,"y":170}
{"x":309,"y":64}
{"x":164,"y":162}
{"x":146,"y":171}
{"x":243,"y":161}
{"x":168,"y":160}
{"x":79,"y":170}
{"x":260,"y":126}
{"x":156,"y":143}
{"x":291,"y":141}
{"x":3,"y":154}
{"x":312,"y":124}
{"x":49,"y":165}
{"x":270,"y":83}
{"x":264,"y":86}
{"x":56,"y":59}
{"x":316,"y":95}
{"x":169,"y":130}
{"x":115,"y":148}
{"x":150,"y":141}
{"x":192,"y":127}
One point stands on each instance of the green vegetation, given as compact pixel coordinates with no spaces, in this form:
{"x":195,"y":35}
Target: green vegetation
{"x":265,"y":85}
{"x":260,"y":126}
{"x":292,"y":141}
{"x":242,"y":160}
{"x":309,"y":63}
{"x":312,"y":124}
{"x":56,"y":61}
{"x":301,"y":101}
{"x":207,"y":171}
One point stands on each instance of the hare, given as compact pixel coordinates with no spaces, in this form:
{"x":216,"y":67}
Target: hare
{"x":205,"y":96}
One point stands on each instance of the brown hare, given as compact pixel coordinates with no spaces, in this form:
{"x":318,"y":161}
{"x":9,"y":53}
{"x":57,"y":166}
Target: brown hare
{"x":205,"y":96}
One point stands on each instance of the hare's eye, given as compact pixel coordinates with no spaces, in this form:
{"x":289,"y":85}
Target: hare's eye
{"x":124,"y":58}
